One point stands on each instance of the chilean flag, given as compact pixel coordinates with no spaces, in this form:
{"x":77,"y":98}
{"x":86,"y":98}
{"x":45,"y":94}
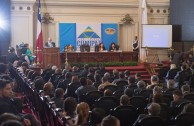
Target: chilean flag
{"x":39,"y":38}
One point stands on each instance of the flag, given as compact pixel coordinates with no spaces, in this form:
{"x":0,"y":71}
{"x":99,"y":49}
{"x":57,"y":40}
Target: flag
{"x":144,"y":12}
{"x":39,"y":38}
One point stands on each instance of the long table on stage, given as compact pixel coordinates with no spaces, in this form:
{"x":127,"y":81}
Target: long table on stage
{"x":76,"y":57}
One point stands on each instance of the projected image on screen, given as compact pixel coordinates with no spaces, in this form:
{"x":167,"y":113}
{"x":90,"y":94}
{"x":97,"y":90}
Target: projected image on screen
{"x":157,"y":36}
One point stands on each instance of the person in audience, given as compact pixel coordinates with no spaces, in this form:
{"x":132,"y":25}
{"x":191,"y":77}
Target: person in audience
{"x":182,"y":76}
{"x":185,"y":89}
{"x":50,"y":43}
{"x":124,"y":100}
{"x":69,"y":107}
{"x":84,"y":88}
{"x":140,"y":86}
{"x":75,"y":71}
{"x":82,"y":111}
{"x":108,"y":92}
{"x":121,"y":78}
{"x":171,"y":73}
{"x":177,"y":59}
{"x":138,"y":77}
{"x":128,"y":92}
{"x":48,"y":89}
{"x":72,"y":87}
{"x":127,"y":74}
{"x":85,"y":71}
{"x":97,"y":80}
{"x":115,"y":73}
{"x":153,"y":110}
{"x":100,"y":47}
{"x":39,"y":84}
{"x":96,"y":116}
{"x":135,"y":48}
{"x":13,"y":123}
{"x":154,"y":82}
{"x":104,"y":83}
{"x":55,"y":75}
{"x":108,"y":76}
{"x":9,"y":116}
{"x":177,"y":99}
{"x":170,"y":87}
{"x":110,"y":121}
{"x":7,"y":104}
{"x":63,"y":84}
{"x":131,"y":83}
{"x":58,"y":97}
{"x":12,"y":56}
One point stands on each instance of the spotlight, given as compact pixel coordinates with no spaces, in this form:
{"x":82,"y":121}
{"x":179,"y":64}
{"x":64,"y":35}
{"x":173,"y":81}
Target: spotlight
{"x":2,"y":23}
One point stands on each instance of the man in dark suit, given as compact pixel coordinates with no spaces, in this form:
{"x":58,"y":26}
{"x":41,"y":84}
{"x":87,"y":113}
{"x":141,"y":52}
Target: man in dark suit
{"x":49,"y":43}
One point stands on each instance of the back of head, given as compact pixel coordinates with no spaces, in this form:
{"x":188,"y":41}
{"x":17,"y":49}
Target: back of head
{"x":128,"y":92}
{"x":154,"y":78}
{"x":12,"y":123}
{"x":157,"y":90}
{"x":131,"y":80}
{"x":110,"y":121}
{"x":141,"y":84}
{"x":69,"y":106}
{"x":185,"y":88}
{"x":82,"y":111}
{"x":59,"y":93}
{"x":121,"y":74}
{"x":124,"y":100}
{"x":108,"y":92}
{"x":8,"y":116}
{"x":154,"y":109}
{"x":83,"y":81}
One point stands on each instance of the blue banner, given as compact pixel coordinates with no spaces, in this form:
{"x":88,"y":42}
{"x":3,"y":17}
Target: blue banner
{"x":67,"y":35}
{"x":109,"y":34}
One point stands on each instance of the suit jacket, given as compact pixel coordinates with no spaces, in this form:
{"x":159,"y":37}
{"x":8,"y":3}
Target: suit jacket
{"x":47,"y":44}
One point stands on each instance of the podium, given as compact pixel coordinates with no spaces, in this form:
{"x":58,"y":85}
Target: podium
{"x":51,"y":56}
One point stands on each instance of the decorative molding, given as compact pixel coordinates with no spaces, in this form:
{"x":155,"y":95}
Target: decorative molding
{"x":90,"y":3}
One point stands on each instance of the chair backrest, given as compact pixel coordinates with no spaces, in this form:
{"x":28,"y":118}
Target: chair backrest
{"x":151,"y":121}
{"x":167,"y":98}
{"x":113,"y":88}
{"x":146,"y":93}
{"x":185,"y":119}
{"x":107,"y":103}
{"x":118,"y":93}
{"x":139,"y":102}
{"x":126,"y":114}
{"x":121,"y":84}
{"x":84,"y":48}
{"x":189,"y":97}
{"x":90,"y":97}
{"x":178,"y":109}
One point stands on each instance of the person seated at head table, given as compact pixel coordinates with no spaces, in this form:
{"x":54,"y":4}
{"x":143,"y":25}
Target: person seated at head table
{"x":100,"y":47}
{"x":70,"y":48}
{"x":113,"y":47}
